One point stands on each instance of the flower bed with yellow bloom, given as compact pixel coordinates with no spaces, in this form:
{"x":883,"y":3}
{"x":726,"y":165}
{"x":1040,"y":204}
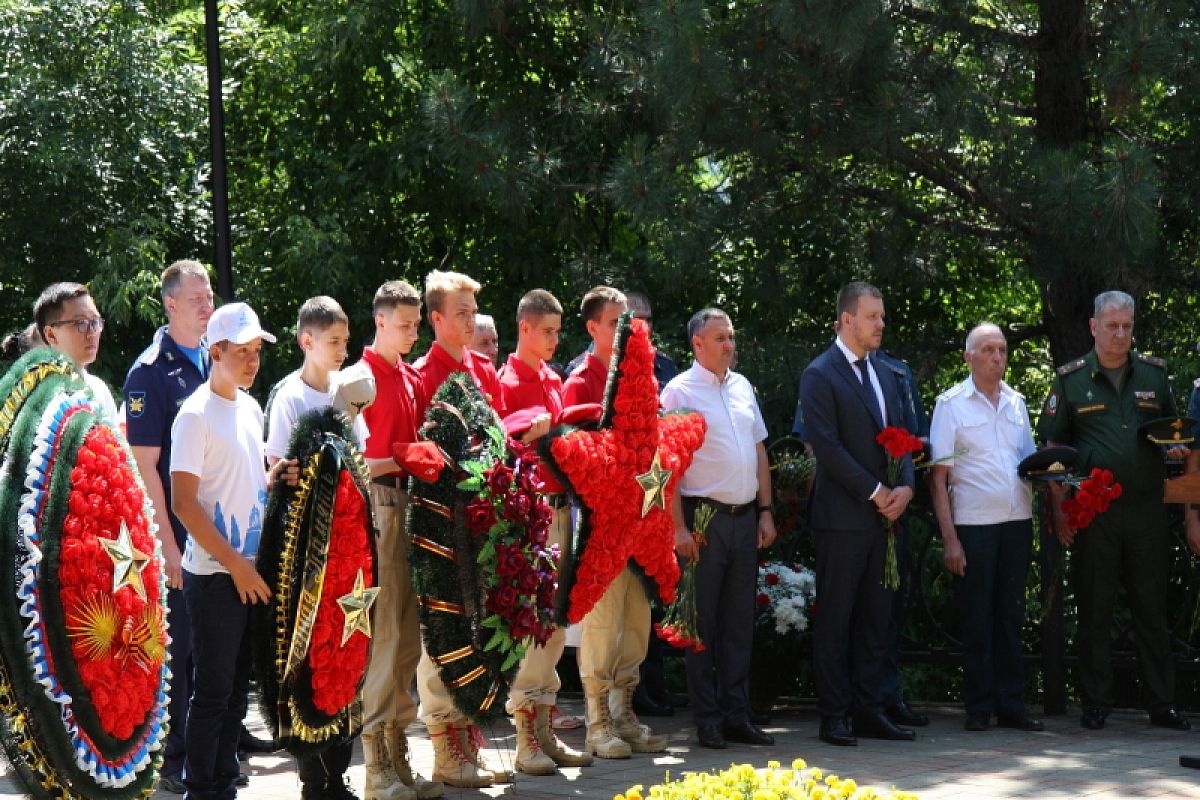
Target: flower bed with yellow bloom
{"x":744,"y":782}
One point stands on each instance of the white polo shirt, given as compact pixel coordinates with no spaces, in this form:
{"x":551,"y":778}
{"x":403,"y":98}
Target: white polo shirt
{"x":983,"y":483}
{"x":725,"y":468}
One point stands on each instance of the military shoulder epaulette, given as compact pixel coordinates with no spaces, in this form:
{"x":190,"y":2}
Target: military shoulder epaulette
{"x":898,"y":367}
{"x":1070,"y":366}
{"x":1155,"y":360}
{"x":954,"y":390}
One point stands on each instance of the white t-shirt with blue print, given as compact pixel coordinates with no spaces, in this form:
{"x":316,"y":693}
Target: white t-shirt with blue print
{"x":220,"y":441}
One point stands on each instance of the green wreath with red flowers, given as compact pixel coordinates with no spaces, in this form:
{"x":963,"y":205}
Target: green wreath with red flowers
{"x":83,"y":638}
{"x":311,"y":643}
{"x":484,"y":575}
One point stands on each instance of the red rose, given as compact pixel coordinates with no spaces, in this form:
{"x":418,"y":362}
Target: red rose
{"x":772,"y":579}
{"x":517,"y":506}
{"x":481,"y":515}
{"x":762,"y":600}
{"x":528,"y":581}
{"x":499,"y":479}
{"x":510,"y":561}
{"x":505,"y":597}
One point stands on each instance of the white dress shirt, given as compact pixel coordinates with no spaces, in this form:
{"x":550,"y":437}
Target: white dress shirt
{"x":983,"y":483}
{"x":725,"y":468}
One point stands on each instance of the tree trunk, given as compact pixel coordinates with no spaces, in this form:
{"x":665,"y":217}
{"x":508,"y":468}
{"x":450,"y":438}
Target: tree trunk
{"x":1061,"y":100}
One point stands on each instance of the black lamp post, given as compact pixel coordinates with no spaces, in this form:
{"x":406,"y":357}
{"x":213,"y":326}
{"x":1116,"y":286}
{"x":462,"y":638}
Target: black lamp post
{"x":222,"y":256}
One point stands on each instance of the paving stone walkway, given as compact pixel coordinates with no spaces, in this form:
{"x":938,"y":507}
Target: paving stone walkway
{"x":1129,"y":759}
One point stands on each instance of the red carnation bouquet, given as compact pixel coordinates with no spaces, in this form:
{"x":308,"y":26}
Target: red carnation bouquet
{"x":897,"y":443}
{"x":1093,"y":495}
{"x":679,"y":626}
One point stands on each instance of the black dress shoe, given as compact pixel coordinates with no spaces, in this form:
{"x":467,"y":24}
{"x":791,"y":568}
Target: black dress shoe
{"x":1093,"y":718}
{"x":249,"y":743}
{"x":901,"y":714}
{"x":878,"y":726}
{"x":646,"y":706}
{"x":835,"y":731}
{"x":759,"y":718}
{"x":746,"y":733}
{"x":710,"y":736}
{"x":1170,"y":718}
{"x":1020,"y":722}
{"x":979,"y":723}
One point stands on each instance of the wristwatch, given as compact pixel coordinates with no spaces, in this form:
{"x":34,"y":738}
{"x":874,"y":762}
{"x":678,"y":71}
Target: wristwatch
{"x":761,"y":509}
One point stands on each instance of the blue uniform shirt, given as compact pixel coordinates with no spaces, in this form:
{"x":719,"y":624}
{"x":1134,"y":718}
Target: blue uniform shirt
{"x":159,"y":381}
{"x":916,"y":421}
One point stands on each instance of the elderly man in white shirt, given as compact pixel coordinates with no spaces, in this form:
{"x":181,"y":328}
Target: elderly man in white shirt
{"x":731,"y":474}
{"x":981,"y":429}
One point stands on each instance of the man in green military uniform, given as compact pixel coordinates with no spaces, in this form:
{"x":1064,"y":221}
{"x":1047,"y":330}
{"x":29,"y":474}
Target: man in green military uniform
{"x":1096,"y":405}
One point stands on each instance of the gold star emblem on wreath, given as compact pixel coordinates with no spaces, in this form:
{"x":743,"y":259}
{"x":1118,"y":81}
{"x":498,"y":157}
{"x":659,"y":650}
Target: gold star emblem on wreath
{"x":654,"y":486}
{"x":128,"y":562}
{"x":136,"y":405}
{"x":357,"y":606}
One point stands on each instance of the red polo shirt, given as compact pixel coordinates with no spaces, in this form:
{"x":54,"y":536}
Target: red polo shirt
{"x":523,"y":387}
{"x":398,"y":397}
{"x":436,"y":365}
{"x":586,"y":383}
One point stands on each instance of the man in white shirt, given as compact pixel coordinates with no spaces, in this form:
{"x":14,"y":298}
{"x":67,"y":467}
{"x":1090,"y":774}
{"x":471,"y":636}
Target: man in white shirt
{"x":731,"y":474}
{"x":981,"y":429}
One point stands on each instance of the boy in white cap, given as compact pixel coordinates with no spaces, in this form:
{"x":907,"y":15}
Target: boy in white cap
{"x":219,"y":493}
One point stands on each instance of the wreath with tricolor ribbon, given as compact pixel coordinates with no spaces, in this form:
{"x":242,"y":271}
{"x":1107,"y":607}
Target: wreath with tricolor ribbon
{"x":84,"y":668}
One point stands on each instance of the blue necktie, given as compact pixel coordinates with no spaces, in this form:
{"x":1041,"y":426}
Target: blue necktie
{"x":868,"y":390}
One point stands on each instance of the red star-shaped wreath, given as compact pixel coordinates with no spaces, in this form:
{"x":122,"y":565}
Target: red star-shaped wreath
{"x":624,"y":476}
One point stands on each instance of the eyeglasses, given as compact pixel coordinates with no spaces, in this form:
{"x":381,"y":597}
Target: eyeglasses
{"x":82,"y":324}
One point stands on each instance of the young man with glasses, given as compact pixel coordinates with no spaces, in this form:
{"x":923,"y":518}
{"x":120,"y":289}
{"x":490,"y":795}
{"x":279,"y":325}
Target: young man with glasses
{"x":67,"y":318}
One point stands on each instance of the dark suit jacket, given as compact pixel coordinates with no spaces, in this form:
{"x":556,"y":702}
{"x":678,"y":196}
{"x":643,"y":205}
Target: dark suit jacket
{"x":842,"y":430}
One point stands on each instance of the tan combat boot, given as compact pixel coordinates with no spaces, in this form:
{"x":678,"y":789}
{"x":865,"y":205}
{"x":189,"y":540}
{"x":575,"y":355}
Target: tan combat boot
{"x":470,"y":739}
{"x":451,"y":765}
{"x":530,"y":758}
{"x":602,"y":739}
{"x":629,"y":727}
{"x":398,"y":750}
{"x":554,"y":747}
{"x":382,"y":781}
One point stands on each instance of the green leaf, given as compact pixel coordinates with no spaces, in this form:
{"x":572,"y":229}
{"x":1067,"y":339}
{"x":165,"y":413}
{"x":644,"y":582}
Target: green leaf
{"x":497,"y":639}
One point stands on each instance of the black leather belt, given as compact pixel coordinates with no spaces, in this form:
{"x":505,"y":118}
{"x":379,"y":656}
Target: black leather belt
{"x":390,"y":481}
{"x":724,"y":508}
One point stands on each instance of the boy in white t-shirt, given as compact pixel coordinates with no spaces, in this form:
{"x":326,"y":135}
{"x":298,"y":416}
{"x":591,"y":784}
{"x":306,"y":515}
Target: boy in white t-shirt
{"x":323,"y":332}
{"x":219,"y":492}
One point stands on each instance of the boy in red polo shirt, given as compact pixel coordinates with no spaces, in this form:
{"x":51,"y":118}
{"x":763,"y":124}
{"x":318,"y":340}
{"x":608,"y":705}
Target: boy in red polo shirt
{"x":391,"y":446}
{"x":531,"y":394}
{"x":450,"y":298}
{"x":615,"y":632}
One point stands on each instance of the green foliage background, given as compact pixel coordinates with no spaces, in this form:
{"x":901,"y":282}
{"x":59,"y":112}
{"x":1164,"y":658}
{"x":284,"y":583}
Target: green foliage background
{"x":1001,"y":160}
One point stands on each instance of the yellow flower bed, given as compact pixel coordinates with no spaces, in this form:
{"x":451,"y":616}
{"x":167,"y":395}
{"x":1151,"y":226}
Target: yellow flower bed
{"x":744,"y":782}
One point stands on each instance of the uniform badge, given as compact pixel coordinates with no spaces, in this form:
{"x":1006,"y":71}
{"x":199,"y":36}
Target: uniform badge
{"x":1145,"y":395}
{"x":1052,"y":404}
{"x":1089,"y":394}
{"x":135,"y":404}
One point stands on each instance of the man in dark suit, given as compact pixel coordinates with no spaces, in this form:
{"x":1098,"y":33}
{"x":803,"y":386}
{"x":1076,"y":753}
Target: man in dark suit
{"x":848,"y":399}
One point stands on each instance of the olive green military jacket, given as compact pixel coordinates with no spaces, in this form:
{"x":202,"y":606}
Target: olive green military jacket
{"x":1085,"y":411}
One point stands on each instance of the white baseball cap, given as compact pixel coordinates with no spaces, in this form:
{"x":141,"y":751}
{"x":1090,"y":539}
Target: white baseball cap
{"x":237,"y":323}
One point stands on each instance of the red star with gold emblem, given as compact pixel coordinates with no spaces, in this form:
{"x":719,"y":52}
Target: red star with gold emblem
{"x":624,"y":476}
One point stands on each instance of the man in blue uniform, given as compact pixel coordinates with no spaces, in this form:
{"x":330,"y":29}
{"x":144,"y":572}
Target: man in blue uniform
{"x":161,"y":378}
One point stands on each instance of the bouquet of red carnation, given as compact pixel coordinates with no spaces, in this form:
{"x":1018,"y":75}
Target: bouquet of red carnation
{"x":897,"y":443}
{"x":678,"y":627}
{"x":1092,"y":496}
